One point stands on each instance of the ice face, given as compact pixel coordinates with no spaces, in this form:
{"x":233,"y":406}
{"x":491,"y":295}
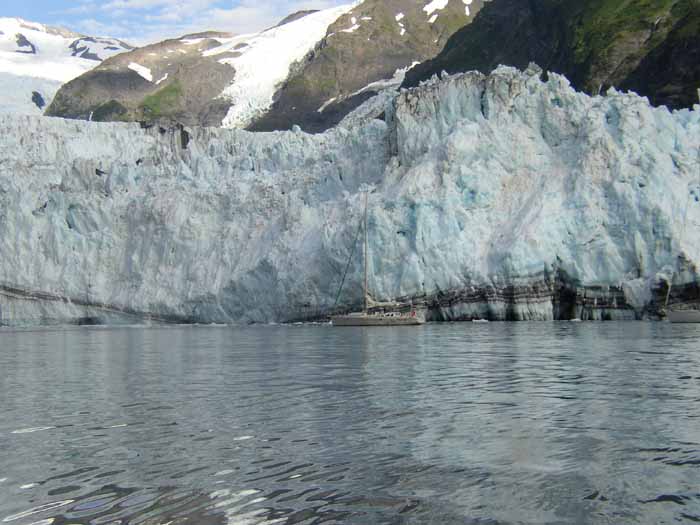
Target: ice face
{"x":479,"y":183}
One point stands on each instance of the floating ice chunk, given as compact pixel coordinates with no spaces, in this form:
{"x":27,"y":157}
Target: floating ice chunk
{"x":30,"y":430}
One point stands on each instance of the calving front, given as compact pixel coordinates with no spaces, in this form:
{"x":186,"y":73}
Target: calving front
{"x":499,"y":197}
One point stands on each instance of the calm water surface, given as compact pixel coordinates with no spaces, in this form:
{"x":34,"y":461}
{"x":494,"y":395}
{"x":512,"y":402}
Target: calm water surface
{"x":462,"y":423}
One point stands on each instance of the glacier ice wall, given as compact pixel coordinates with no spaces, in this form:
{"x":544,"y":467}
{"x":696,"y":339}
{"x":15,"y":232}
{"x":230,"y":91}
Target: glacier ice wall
{"x":500,"y":196}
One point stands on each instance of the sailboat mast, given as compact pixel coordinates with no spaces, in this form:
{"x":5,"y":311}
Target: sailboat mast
{"x":685,"y":220}
{"x":366,"y":257}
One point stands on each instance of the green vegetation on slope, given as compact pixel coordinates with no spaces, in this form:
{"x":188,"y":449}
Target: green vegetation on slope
{"x":649,"y":46}
{"x":164,"y":102}
{"x":603,"y":21}
{"x":109,"y":112}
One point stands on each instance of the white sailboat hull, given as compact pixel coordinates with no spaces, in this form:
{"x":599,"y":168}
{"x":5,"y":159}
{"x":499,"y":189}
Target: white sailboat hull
{"x":376,"y":320}
{"x":684,"y":316}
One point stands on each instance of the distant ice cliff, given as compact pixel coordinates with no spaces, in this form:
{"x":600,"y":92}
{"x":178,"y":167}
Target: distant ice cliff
{"x":500,"y":196}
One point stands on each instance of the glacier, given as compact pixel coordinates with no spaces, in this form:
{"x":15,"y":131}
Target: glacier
{"x":39,"y":58}
{"x":501,"y":196}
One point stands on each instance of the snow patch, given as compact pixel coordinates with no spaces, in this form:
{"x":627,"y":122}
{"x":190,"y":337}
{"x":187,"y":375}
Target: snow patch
{"x":165,"y":77}
{"x":141,"y":70}
{"x":399,"y":17}
{"x":467,"y":3}
{"x":435,"y":5}
{"x":354,"y":27}
{"x":433,"y":18}
{"x":394,"y":82}
{"x":326,"y":104}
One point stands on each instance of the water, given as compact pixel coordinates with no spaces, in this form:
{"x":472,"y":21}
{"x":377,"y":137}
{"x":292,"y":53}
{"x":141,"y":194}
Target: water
{"x":461,"y":423}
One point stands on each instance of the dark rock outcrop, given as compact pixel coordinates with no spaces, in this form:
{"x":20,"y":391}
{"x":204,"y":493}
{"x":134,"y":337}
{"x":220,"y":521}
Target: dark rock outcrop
{"x":38,"y":99}
{"x":652,"y":48}
{"x":22,"y":43}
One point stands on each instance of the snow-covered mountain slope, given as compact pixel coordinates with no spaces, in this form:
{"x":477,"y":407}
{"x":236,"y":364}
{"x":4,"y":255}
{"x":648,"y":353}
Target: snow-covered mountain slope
{"x":265,"y":61}
{"x":310,"y":70}
{"x":368,"y":49}
{"x":205,"y":79}
{"x":501,"y":196}
{"x":35,"y":60}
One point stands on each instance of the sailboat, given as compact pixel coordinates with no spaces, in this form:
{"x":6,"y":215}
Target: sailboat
{"x":383,"y":317}
{"x":676,"y":315}
{"x":682,"y":312}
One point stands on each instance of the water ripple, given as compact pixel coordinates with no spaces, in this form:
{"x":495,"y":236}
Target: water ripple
{"x":484,"y":423}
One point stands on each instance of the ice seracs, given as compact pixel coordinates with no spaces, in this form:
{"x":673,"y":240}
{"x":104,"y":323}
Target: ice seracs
{"x":496,"y":196}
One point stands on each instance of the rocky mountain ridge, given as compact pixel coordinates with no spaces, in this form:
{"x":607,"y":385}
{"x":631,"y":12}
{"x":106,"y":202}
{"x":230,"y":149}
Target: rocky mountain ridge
{"x":651,"y":48}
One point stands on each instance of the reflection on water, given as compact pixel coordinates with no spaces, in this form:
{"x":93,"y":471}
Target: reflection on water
{"x":464,"y":423}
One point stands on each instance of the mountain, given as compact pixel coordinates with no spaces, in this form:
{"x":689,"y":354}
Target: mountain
{"x":209,"y":79}
{"x":366,"y":50}
{"x":650,"y":47}
{"x":310,"y":70}
{"x":500,"y":196}
{"x":35,"y":60}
